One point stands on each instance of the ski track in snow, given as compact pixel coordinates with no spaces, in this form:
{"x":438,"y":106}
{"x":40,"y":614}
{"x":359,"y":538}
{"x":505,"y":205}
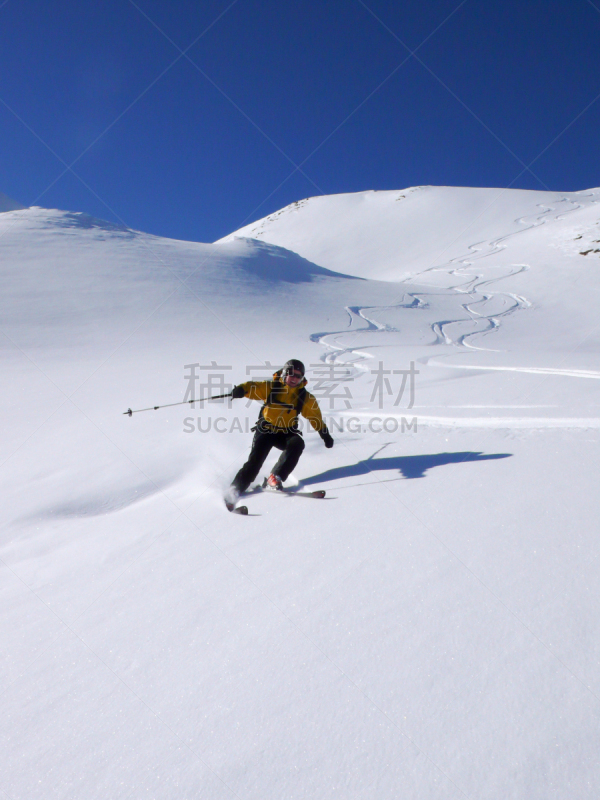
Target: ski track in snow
{"x":567,"y":373}
{"x":457,"y":278}
{"x":498,"y":423}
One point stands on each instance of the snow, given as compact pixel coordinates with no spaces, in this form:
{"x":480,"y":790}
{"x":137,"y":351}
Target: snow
{"x":428,"y":630}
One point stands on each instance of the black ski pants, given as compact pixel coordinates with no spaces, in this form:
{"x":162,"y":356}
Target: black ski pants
{"x":292,"y":445}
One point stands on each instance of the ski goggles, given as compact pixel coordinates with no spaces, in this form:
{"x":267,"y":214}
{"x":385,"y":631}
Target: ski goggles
{"x":293,"y":373}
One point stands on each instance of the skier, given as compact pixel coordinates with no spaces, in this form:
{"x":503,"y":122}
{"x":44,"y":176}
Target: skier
{"x":283,"y":398}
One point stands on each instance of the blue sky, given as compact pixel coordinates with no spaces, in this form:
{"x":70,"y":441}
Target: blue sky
{"x":276,"y":101}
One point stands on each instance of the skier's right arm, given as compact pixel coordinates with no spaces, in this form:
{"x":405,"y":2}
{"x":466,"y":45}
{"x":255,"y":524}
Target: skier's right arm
{"x":255,"y":390}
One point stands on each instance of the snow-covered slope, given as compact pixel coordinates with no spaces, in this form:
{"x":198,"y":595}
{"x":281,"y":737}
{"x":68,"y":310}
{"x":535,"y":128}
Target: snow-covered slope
{"x":394,"y":235}
{"x":429,"y":630}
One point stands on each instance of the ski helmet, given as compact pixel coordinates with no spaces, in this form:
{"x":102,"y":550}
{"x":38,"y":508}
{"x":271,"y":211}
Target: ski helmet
{"x":291,"y":366}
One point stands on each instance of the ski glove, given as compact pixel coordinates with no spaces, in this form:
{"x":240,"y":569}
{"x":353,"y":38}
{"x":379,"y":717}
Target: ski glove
{"x":237,"y":391}
{"x":327,"y":438}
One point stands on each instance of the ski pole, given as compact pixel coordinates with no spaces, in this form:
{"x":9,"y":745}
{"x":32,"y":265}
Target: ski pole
{"x":129,"y":411}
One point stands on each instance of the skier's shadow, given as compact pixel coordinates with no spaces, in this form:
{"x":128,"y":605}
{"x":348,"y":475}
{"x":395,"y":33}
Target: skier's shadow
{"x":408,"y":466}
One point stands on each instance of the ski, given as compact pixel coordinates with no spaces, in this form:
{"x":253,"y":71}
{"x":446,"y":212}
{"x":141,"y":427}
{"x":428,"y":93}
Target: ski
{"x":243,"y":510}
{"x":317,"y":494}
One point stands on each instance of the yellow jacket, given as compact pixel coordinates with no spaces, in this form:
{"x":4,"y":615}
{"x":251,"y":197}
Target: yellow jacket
{"x":281,"y":413}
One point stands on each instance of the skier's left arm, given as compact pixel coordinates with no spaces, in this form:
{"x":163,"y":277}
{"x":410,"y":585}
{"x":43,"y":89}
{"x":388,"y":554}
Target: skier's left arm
{"x":312,"y":412}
